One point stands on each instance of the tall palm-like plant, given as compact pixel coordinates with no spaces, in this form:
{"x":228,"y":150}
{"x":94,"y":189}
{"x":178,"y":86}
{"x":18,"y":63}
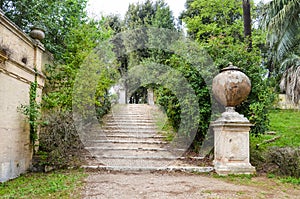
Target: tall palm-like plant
{"x":290,"y":81}
{"x":282,"y":21}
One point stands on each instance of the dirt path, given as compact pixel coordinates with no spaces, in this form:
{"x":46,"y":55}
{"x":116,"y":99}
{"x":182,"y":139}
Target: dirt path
{"x":146,"y":185}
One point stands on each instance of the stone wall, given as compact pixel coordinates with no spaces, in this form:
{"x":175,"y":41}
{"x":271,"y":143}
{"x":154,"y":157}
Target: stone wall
{"x":19,"y":55}
{"x":285,"y":103}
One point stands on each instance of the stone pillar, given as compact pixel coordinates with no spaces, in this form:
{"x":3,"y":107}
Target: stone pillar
{"x":231,"y":131}
{"x":150,"y":96}
{"x":122,"y":96}
{"x":231,"y":153}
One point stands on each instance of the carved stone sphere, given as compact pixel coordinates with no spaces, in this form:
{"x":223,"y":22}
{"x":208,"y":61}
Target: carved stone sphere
{"x":231,"y":87}
{"x":38,"y":34}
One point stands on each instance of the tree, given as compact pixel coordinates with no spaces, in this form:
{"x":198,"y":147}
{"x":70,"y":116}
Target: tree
{"x":56,"y":17}
{"x":217,"y":25}
{"x":147,"y":14}
{"x":81,"y":42}
{"x":206,"y":19}
{"x":247,"y":22}
{"x":281,"y":20}
{"x":139,"y":19}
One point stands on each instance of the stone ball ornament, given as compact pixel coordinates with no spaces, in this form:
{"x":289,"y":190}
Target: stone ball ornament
{"x":37,"y":33}
{"x":231,"y":86}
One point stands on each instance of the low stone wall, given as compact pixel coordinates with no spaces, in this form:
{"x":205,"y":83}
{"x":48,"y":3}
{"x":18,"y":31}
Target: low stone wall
{"x":19,"y":57}
{"x":284,"y":103}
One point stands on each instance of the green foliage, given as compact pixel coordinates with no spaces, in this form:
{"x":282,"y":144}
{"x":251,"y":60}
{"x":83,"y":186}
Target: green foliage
{"x":286,"y":124}
{"x":59,"y":143}
{"x":291,"y":180}
{"x":222,"y":37}
{"x":56,"y":17}
{"x":62,"y":184}
{"x":173,"y":107}
{"x":280,"y":156}
{"x":139,"y":16}
{"x":206,"y":19}
{"x":32,"y":112}
{"x":281,"y":20}
{"x":82,"y":41}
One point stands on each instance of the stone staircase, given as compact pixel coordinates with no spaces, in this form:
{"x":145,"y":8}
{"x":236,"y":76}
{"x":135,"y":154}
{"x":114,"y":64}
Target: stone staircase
{"x":128,"y":140}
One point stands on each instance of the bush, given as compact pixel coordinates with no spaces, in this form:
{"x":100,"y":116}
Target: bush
{"x":282,"y":161}
{"x":60,"y":145}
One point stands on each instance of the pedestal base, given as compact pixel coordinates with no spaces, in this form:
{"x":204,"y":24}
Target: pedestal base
{"x":231,"y":135}
{"x":233,"y":168}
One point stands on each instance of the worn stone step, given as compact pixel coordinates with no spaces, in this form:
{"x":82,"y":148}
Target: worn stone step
{"x":127,"y":139}
{"x":124,"y":145}
{"x":132,"y":127}
{"x":191,"y":169}
{"x":131,"y":162}
{"x":129,"y":120}
{"x":137,"y":135}
{"x":134,"y":157}
{"x":134,"y":141}
{"x":127,"y":135}
{"x":133,"y":153}
{"x":155,"y":149}
{"x":116,"y":123}
{"x":142,"y":131}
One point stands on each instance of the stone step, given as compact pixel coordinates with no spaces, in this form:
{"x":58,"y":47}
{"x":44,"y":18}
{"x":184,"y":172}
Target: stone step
{"x":120,"y":135}
{"x":131,"y":149}
{"x":124,"y":145}
{"x":137,"y":141}
{"x":134,"y":157}
{"x":127,"y":136}
{"x":126,"y":139}
{"x":147,"y":154}
{"x":190,"y":169}
{"x":133,"y":127}
{"x":129,"y":121}
{"x":131,"y":162}
{"x":146,"y":117}
{"x":116,"y":123}
{"x":141,"y":131}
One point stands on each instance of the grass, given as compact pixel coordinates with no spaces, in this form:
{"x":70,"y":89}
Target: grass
{"x":239,"y":179}
{"x":59,"y":184}
{"x":286,"y":123}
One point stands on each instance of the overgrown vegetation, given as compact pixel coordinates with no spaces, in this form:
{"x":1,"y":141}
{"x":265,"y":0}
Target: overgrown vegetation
{"x":33,"y":113}
{"x":279,"y":156}
{"x":59,"y":184}
{"x":60,"y":144}
{"x":219,"y":29}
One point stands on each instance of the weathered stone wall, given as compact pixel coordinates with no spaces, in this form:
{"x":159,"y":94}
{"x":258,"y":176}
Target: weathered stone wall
{"x":285,"y":103}
{"x":19,"y":55}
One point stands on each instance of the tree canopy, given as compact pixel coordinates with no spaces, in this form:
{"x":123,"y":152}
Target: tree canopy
{"x":281,"y":20}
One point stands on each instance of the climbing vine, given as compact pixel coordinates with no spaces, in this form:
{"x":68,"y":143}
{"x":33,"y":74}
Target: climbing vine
{"x":32,"y":112}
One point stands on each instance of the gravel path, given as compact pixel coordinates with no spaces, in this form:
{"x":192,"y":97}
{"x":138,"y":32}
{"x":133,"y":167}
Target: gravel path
{"x":144,"y":185}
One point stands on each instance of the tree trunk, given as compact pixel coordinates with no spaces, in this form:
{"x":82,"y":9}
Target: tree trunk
{"x":247,"y":23}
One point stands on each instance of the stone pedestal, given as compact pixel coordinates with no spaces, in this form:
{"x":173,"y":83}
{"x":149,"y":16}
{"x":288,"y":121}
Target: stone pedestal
{"x":231,"y":135}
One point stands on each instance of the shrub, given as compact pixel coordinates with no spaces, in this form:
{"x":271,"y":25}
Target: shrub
{"x":282,"y":161}
{"x":60,"y":144}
